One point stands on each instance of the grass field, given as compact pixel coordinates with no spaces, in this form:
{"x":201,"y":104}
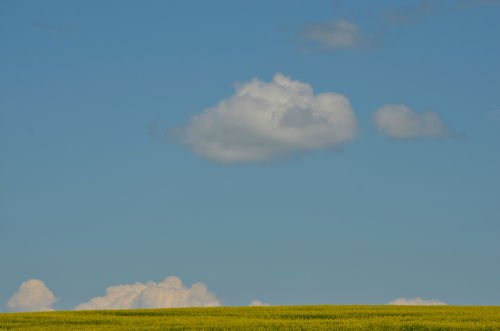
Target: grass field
{"x":263,"y":318}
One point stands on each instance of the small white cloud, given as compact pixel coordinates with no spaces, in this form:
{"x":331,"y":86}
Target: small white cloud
{"x":166,"y":294}
{"x":416,"y":302}
{"x":32,"y":295}
{"x":265,"y":121}
{"x":400,"y":122}
{"x":258,"y":303}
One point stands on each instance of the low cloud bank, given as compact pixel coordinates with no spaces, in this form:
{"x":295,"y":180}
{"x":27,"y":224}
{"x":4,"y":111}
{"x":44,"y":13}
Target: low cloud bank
{"x":168,"y":293}
{"x":32,"y":295}
{"x":416,"y":302}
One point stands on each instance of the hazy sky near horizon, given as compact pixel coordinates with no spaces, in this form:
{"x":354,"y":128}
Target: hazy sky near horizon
{"x":292,"y":152}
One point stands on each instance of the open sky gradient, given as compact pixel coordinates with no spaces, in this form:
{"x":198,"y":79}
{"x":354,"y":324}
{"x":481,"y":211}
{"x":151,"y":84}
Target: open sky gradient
{"x":388,"y":188}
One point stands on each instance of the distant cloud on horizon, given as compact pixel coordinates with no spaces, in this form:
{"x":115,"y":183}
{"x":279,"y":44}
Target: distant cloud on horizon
{"x":257,"y":303}
{"x":32,"y":295}
{"x":268,"y":121}
{"x":168,"y":293}
{"x":416,"y":302}
{"x":400,"y":122}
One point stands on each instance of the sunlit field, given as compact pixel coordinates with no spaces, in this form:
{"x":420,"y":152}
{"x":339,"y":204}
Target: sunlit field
{"x":264,"y":318}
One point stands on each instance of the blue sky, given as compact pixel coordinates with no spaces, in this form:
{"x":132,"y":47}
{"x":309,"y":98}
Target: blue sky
{"x":90,"y":197}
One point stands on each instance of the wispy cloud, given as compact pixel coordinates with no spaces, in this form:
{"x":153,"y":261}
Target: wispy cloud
{"x":336,"y":34}
{"x":333,"y":35}
{"x":412,"y":14}
{"x":267,"y":121}
{"x":32,"y":295}
{"x":400,"y":122}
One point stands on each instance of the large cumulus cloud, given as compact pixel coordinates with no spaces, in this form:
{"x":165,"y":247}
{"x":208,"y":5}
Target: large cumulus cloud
{"x":168,"y":293}
{"x":400,"y":122}
{"x":265,"y":121}
{"x":32,"y":295}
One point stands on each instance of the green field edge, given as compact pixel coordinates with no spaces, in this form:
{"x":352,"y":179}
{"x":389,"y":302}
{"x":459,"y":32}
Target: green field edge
{"x":310,"y":317}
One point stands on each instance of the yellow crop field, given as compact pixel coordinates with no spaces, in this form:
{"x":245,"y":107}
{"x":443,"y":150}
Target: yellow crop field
{"x":264,"y":318}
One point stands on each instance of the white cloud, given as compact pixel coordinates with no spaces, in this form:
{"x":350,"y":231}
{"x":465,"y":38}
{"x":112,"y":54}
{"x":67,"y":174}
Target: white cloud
{"x":416,"y":302}
{"x":168,"y":293}
{"x":32,"y":295}
{"x":400,"y":122}
{"x":258,"y":303}
{"x":264,"y":121}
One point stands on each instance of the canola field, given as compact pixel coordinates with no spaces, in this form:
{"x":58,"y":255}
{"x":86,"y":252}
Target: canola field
{"x":263,"y":318}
